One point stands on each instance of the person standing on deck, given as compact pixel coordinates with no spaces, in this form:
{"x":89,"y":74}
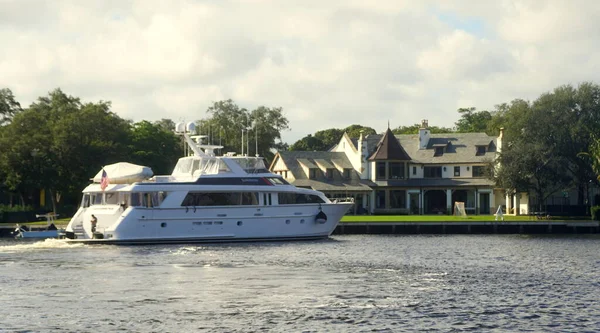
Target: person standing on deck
{"x":94,"y":222}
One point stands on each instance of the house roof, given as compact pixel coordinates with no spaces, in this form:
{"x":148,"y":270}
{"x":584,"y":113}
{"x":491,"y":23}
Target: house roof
{"x":294,"y":160}
{"x":333,"y":186}
{"x":343,"y":164}
{"x":460,"y":147}
{"x":388,"y":148}
{"x":306,"y":163}
{"x":323,"y":163}
{"x":437,"y":182}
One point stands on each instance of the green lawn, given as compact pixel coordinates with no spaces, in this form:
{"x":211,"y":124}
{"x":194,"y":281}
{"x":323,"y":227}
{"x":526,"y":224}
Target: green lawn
{"x":437,"y":218}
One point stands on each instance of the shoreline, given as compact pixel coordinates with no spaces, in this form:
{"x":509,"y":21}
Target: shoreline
{"x":434,"y":227}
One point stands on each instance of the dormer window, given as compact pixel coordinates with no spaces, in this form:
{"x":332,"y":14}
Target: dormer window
{"x":329,"y":173}
{"x":312,"y":173}
{"x":347,"y":173}
{"x":480,"y":150}
{"x":439,"y":151}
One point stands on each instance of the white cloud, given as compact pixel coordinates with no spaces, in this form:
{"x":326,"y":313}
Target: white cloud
{"x":328,"y":64}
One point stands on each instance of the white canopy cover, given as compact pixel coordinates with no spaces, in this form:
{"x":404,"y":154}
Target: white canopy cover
{"x":124,"y":173}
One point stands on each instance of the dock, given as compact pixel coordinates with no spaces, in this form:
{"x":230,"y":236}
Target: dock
{"x":479,"y":227}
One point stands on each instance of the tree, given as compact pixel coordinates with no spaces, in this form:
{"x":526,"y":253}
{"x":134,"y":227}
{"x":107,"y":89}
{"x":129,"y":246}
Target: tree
{"x":58,"y":143}
{"x":329,"y":137}
{"x":414,"y":129}
{"x":154,"y":146}
{"x":473,"y":121}
{"x":166,"y":124}
{"x":227,"y":122}
{"x":325,"y":139}
{"x":355,"y":130}
{"x":309,"y":143}
{"x":8,"y":106}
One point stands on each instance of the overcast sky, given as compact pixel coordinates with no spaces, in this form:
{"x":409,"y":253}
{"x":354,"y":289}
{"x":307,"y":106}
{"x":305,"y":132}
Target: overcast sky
{"x":327,"y":63}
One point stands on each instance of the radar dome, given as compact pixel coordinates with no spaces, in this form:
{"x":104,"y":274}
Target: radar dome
{"x":191,"y":127}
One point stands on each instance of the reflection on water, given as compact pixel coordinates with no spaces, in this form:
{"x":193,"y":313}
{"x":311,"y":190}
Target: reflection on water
{"x":345,"y":284}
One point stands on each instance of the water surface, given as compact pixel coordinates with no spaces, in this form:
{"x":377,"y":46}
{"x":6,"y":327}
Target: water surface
{"x":354,"y":283}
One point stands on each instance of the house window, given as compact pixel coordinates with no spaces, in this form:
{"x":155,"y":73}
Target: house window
{"x":380,"y":170}
{"x":414,"y":170}
{"x":329,"y":173}
{"x":480,"y":150}
{"x":432,"y":172}
{"x":346,"y":173}
{"x":456,"y":171}
{"x":478,"y":171}
{"x":396,"y":170}
{"x":312,"y":173}
{"x":439,"y":151}
{"x":380,"y":199}
{"x":398,"y":199}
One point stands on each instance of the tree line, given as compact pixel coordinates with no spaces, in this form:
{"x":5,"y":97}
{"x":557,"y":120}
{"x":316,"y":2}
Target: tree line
{"x":59,"y":142}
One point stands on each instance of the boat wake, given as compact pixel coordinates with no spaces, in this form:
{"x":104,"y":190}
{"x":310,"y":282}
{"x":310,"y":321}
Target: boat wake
{"x":40,"y":245}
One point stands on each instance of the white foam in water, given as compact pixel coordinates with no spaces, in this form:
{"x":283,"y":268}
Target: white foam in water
{"x":49,"y":243}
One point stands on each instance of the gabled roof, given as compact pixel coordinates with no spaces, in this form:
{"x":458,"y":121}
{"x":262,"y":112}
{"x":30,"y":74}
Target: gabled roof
{"x":324,"y":164}
{"x":294,"y":160}
{"x":461,"y":147}
{"x":306,"y":163}
{"x":342,"y":164}
{"x":389,"y":148}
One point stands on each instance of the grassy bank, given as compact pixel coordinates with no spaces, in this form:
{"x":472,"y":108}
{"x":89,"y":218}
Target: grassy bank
{"x":442,"y":218}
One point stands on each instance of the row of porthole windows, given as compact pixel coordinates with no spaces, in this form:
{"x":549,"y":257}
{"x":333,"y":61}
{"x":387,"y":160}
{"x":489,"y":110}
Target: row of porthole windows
{"x":164,"y":224}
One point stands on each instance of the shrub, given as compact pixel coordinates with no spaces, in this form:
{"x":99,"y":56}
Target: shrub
{"x":16,"y":208}
{"x":595,"y":213}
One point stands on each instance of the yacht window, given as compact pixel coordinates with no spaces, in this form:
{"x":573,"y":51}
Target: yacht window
{"x":249,"y":198}
{"x":162,"y":196}
{"x":266,"y":199}
{"x":220,"y":199}
{"x":298,"y":198}
{"x":277,"y":181}
{"x":111,"y":199}
{"x":96,"y":199}
{"x":135,"y":199}
{"x":85,"y":201}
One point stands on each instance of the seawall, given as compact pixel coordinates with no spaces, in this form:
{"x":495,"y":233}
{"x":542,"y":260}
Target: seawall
{"x":493,"y":227}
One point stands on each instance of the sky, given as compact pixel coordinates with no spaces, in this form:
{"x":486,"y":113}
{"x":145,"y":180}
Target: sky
{"x":328,"y":64}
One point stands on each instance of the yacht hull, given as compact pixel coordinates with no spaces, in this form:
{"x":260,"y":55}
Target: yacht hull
{"x":209,"y":225}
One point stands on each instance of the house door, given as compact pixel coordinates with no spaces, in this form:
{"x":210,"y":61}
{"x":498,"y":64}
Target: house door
{"x":414,"y":203}
{"x":484,"y":203}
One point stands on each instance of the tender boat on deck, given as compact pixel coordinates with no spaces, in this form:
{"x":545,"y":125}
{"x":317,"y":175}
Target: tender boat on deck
{"x":206,"y":198}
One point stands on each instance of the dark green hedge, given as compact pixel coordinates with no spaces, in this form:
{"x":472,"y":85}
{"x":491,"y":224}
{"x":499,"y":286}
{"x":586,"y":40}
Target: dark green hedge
{"x":595,"y":213}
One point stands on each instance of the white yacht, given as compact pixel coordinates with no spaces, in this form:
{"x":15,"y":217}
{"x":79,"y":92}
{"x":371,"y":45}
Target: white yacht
{"x":207,"y":198}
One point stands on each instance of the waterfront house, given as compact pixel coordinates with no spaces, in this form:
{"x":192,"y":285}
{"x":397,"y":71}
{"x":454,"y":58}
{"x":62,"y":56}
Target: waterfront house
{"x":420,"y":173}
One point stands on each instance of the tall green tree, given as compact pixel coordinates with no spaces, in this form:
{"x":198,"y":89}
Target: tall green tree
{"x":58,"y":143}
{"x":326,"y":139}
{"x":309,"y":143}
{"x":8,"y":106}
{"x":155,"y":146}
{"x":227,"y":123}
{"x":414,"y":129}
{"x":473,"y":121}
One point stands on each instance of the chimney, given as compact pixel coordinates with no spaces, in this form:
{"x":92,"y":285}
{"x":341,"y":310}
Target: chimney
{"x":424,"y":134}
{"x":500,"y":137}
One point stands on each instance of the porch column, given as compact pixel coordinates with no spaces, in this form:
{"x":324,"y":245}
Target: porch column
{"x":517,"y":204}
{"x":421,"y":202}
{"x":449,"y":201}
{"x":477,"y":202}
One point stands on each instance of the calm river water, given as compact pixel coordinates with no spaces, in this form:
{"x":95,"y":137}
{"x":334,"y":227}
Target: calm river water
{"x":345,"y":284}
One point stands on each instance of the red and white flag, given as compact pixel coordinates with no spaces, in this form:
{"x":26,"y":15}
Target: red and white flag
{"x":104,"y":181}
